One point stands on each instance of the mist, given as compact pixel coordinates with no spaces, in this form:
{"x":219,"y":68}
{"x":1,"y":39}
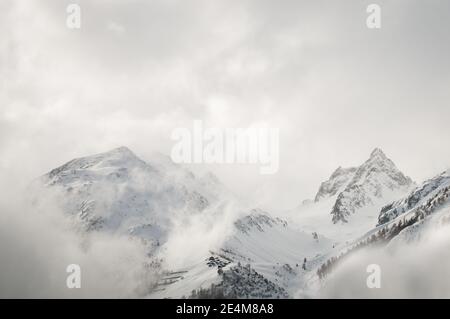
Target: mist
{"x":193,"y":237}
{"x":418,"y":269}
{"x":38,"y":243}
{"x":39,"y":238}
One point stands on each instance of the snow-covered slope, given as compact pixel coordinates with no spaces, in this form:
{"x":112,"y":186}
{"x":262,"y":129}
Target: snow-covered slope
{"x":260,"y":246}
{"x":415,"y":198}
{"x":425,"y":208}
{"x":258,"y":237}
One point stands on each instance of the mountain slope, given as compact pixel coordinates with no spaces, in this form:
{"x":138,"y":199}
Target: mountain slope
{"x":258,"y":237}
{"x":415,"y":198}
{"x":262,"y":257}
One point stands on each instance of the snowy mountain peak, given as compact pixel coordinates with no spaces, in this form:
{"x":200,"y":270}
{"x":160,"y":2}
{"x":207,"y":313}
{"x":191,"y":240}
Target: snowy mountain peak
{"x":342,"y":177}
{"x":377,"y":152}
{"x":379,"y":168}
{"x":379,"y":159}
{"x":120,"y":157}
{"x":373,"y":182}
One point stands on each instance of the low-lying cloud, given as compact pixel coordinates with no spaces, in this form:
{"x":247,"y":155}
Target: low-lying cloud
{"x":418,"y":270}
{"x":38,"y":243}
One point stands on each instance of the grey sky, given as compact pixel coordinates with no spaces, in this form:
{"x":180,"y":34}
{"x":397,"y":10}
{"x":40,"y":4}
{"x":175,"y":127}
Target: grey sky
{"x":138,"y":69}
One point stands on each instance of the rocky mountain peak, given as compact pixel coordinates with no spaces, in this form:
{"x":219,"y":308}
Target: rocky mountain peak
{"x":374,"y":180}
{"x":378,"y":153}
{"x":378,"y":158}
{"x":356,"y":187}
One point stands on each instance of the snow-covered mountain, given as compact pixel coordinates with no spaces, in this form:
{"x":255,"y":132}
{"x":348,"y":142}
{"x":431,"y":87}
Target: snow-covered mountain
{"x":118,"y":192}
{"x":348,"y":204}
{"x":377,"y":178}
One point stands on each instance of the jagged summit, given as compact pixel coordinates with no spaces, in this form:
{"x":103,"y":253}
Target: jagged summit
{"x":378,"y":158}
{"x":380,"y":166}
{"x":377,"y":152}
{"x":357,"y":187}
{"x":342,"y":176}
{"x":375,"y":179}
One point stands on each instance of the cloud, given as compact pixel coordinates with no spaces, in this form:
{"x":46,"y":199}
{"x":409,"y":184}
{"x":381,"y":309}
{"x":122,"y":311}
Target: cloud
{"x":38,"y":243}
{"x":116,"y":28}
{"x":193,"y":237}
{"x":418,"y":270}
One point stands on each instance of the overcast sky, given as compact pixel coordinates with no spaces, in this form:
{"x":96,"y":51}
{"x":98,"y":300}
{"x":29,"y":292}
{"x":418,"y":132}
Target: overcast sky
{"x":136,"y":70}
